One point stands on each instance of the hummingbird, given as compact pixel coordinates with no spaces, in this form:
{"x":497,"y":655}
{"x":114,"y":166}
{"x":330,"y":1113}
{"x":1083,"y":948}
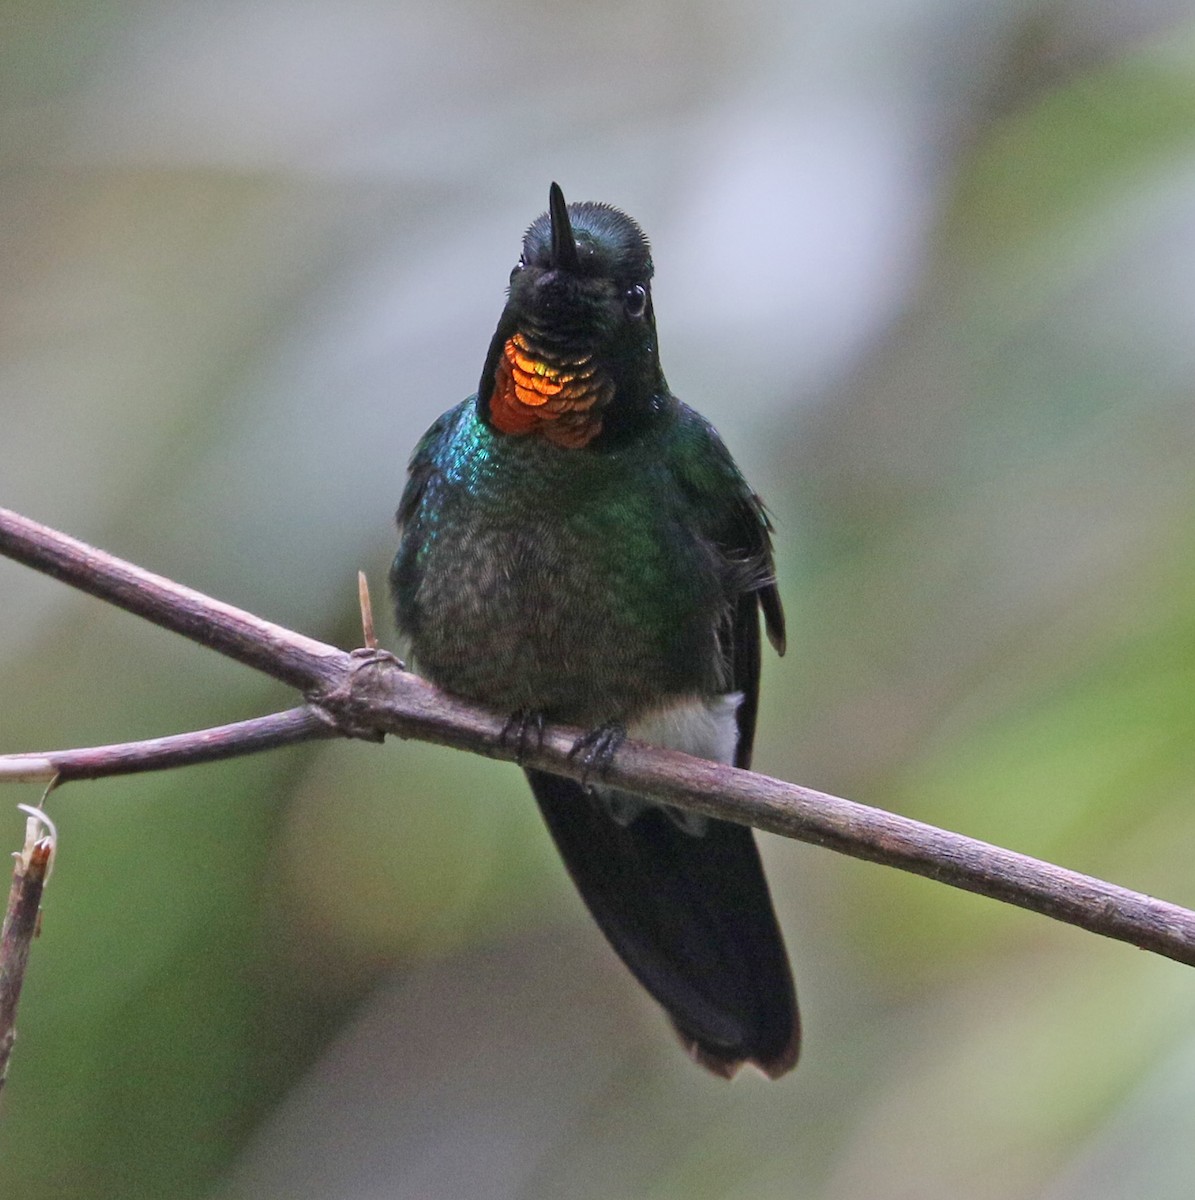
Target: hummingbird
{"x":577,"y":545}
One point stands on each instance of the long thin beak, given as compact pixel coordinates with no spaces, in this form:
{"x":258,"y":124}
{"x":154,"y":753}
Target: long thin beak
{"x":564,"y":245}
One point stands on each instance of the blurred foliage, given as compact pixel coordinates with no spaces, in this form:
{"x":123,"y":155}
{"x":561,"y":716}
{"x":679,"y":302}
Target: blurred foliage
{"x":926,"y":265}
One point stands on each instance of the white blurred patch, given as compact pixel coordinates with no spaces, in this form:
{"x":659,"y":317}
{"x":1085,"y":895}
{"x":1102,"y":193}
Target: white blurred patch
{"x":702,"y":726}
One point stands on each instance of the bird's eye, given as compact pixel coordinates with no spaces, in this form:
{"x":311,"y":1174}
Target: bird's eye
{"x":635,"y":301}
{"x":518,"y":266}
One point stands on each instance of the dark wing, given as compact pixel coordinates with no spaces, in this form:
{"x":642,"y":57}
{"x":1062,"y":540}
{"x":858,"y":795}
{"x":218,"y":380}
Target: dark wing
{"x":735,"y":521}
{"x":747,"y":545}
{"x":423,"y":465}
{"x":421,"y":470}
{"x":690,"y":914}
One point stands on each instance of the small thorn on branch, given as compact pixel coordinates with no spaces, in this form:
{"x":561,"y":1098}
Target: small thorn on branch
{"x":371,"y":638}
{"x":22,"y":921}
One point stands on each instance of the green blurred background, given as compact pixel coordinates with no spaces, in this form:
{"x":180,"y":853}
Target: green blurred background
{"x":929,"y":266}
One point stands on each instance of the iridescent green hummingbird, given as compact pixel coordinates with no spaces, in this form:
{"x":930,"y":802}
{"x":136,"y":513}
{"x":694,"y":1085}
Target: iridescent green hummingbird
{"x":577,"y":545}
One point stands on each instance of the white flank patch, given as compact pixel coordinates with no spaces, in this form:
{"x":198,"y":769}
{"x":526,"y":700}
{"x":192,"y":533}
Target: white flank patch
{"x":702,"y":726}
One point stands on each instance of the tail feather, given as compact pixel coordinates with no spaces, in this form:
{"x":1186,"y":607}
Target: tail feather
{"x":691,"y":917}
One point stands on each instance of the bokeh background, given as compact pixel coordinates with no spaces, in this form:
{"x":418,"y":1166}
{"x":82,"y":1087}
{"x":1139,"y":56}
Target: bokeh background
{"x":929,"y":266}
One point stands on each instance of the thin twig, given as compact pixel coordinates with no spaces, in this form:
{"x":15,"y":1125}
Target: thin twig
{"x":366,"y":694}
{"x":303,"y":724}
{"x":21,"y":923}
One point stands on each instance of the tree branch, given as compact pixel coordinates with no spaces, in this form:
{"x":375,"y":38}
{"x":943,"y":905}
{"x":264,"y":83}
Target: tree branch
{"x":300,"y":661}
{"x":295,"y":725}
{"x":366,"y":694}
{"x":21,"y":923}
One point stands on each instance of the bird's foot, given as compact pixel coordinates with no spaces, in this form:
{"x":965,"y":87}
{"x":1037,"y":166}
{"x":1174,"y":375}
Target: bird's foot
{"x":525,"y":732}
{"x":369,"y":656}
{"x":595,"y":750}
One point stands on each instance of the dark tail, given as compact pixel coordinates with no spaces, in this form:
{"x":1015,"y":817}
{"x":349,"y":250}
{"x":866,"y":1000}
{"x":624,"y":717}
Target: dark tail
{"x":691,"y":917}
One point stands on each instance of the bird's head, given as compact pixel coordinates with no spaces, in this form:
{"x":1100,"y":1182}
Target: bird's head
{"x":574,"y":357}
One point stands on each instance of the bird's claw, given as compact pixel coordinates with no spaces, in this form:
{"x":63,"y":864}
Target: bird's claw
{"x":523,"y":726}
{"x":595,"y":750}
{"x":369,"y":656}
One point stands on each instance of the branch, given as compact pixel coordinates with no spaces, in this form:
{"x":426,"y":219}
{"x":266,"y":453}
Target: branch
{"x":300,"y":661}
{"x":367,"y":694}
{"x":21,"y":923}
{"x":295,"y":725}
